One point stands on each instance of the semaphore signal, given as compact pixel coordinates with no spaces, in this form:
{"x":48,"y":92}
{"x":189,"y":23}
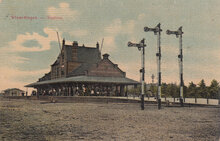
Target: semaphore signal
{"x":179,"y":34}
{"x":141,"y":45}
{"x":157,"y":30}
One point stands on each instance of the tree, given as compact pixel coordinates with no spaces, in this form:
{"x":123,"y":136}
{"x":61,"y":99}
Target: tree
{"x":192,"y":90}
{"x":164,"y":90}
{"x":185,"y":91}
{"x":213,"y":89}
{"x":202,"y":89}
{"x":135,"y":91}
{"x":153,"y":89}
{"x":173,"y":90}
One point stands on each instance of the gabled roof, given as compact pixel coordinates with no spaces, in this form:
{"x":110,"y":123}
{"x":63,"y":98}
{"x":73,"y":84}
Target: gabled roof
{"x":81,"y":69}
{"x":86,"y":67}
{"x":47,"y":76}
{"x":108,"y":73}
{"x":105,"y":56}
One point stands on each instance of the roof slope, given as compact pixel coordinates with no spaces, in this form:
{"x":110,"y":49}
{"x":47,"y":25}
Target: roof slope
{"x":84,"y":54}
{"x":87,"y":79}
{"x":88,"y":55}
{"x":11,"y":89}
{"x":80,"y":70}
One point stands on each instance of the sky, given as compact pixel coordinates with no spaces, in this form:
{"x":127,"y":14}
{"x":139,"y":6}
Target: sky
{"x":29,"y":44}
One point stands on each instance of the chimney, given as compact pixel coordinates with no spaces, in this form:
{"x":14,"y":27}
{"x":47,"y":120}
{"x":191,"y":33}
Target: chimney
{"x":97,"y":45}
{"x":63,"y":41}
{"x":105,"y":56}
{"x":75,"y":43}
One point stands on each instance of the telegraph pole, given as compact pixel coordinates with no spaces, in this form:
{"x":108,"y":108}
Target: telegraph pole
{"x":157,"y":30}
{"x":179,"y":34}
{"x":140,"y":47}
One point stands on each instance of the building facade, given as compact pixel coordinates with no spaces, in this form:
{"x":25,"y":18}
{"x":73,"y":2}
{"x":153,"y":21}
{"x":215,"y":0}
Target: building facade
{"x":81,"y":70}
{"x":13,"y":92}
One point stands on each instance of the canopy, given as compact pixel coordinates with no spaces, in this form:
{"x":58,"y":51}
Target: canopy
{"x":86,"y":79}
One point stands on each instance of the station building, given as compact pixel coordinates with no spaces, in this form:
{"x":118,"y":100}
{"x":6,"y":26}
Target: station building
{"x":81,"y":70}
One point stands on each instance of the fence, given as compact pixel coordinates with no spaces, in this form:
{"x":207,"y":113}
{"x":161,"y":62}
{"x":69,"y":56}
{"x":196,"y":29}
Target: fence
{"x":186,"y":100}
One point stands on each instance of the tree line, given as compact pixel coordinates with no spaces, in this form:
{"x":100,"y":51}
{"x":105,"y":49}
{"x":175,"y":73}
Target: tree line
{"x":200,"y":90}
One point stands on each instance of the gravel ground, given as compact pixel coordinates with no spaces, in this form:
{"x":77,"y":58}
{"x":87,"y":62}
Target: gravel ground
{"x":40,"y":121}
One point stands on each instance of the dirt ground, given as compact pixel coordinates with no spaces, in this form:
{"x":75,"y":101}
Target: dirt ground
{"x":40,"y":121}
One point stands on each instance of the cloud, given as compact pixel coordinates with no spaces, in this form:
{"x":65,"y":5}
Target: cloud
{"x":10,"y":77}
{"x":170,"y":50}
{"x":109,"y":41}
{"x":129,"y":27}
{"x":131,"y":69}
{"x":63,"y":11}
{"x":114,"y":29}
{"x":11,"y":59}
{"x":78,"y":33}
{"x":141,"y":16}
{"x":109,"y":44}
{"x":206,"y":68}
{"x":117,"y":27}
{"x":216,"y":53}
{"x":44,"y":42}
{"x":13,"y":77}
{"x":11,"y":73}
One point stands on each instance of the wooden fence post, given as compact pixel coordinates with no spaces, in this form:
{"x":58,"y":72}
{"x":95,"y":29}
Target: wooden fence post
{"x":219,"y":96}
